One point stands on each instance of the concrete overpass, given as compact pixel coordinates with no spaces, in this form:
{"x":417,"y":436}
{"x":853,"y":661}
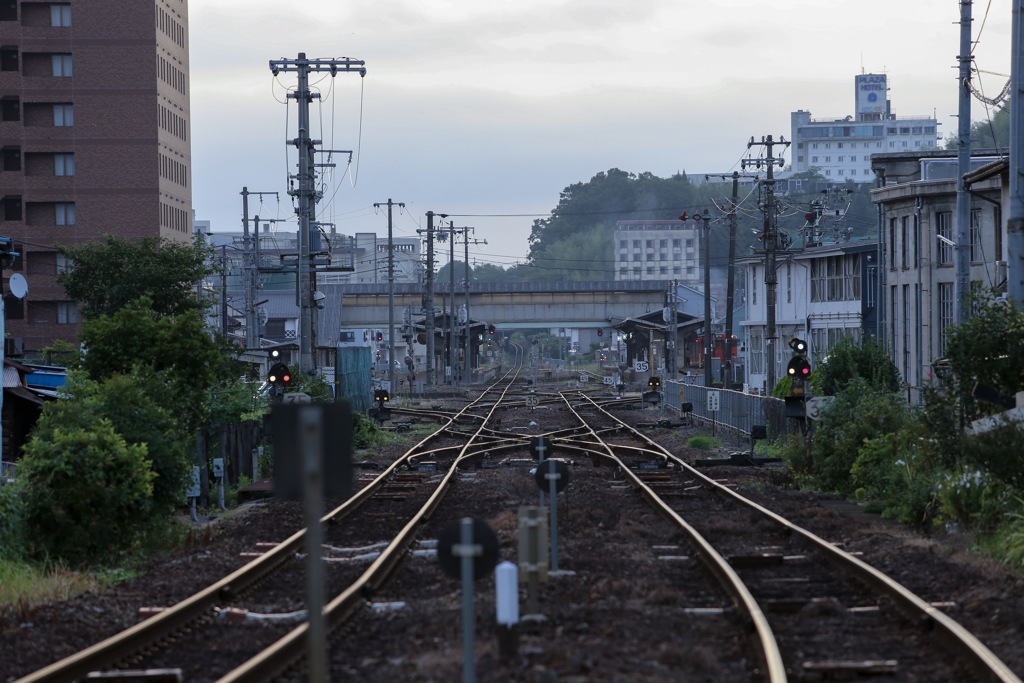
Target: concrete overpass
{"x":516,"y":305}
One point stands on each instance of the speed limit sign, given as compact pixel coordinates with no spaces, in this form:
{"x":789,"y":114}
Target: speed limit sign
{"x":641,"y":366}
{"x":532,"y":400}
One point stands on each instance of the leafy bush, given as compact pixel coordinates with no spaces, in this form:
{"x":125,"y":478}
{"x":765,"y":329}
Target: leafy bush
{"x":127,"y":402}
{"x":849,"y":360}
{"x":858,"y":413}
{"x":366,"y":433}
{"x":1013,"y":541}
{"x":87,"y":494}
{"x":11,"y":522}
{"x":997,"y":452}
{"x":704,"y":443}
{"x":892,"y":473}
{"x":972,"y":498}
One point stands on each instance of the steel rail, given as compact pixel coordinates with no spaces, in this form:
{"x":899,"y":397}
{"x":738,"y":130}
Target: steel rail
{"x":768,"y":651}
{"x":985,"y":662}
{"x":290,"y":648}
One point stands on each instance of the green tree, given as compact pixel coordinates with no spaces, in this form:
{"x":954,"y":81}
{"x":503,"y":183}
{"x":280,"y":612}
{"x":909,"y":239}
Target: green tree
{"x":178,"y":350}
{"x":987,"y":350}
{"x":108,"y":274}
{"x":991,"y":133}
{"x":131,"y":405}
{"x":849,"y":359}
{"x":87,"y":494}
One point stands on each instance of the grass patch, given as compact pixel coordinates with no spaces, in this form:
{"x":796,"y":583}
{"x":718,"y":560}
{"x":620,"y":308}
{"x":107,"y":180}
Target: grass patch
{"x":24,"y":586}
{"x":704,"y":443}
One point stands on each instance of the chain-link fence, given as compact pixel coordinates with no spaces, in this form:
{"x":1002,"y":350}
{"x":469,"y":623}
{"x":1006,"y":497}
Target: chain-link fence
{"x":730,"y":409}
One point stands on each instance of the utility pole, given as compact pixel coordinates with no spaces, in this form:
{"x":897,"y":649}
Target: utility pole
{"x":250,"y":266}
{"x":451,"y":294}
{"x":963,"y":199}
{"x":428,"y":297}
{"x":391,"y":295}
{"x":224,"y":291}
{"x":469,"y":341}
{"x":770,"y":238}
{"x":730,"y":296}
{"x":306,"y":191}
{"x":1015,"y":222}
{"x":709,"y":337}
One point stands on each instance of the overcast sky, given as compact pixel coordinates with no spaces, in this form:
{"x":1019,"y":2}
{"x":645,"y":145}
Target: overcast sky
{"x":487,"y":109}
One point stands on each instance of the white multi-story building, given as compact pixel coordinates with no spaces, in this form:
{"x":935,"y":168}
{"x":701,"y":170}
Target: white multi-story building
{"x":840,"y":149}
{"x":658,"y":250}
{"x":823,"y":293}
{"x":917,"y":282}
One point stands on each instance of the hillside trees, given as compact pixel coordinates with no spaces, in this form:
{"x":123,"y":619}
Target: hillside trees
{"x":576,"y":241}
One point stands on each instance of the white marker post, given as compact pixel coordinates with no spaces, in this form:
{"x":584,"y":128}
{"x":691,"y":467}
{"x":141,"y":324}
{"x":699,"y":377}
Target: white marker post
{"x":506,"y":588}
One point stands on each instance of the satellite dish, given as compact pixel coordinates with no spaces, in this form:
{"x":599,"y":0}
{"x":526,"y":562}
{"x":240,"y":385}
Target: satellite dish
{"x":18,"y":285}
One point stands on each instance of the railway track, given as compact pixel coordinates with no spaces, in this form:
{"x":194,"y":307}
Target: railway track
{"x":739,"y":580}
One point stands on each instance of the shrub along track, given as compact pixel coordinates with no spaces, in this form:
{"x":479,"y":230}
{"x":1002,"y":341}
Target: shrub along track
{"x":628,"y":613}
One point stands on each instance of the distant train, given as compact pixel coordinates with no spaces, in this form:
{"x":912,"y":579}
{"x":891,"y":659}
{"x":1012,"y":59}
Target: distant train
{"x":717,"y":350}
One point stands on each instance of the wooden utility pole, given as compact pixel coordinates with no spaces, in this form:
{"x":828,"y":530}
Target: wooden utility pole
{"x":963,"y":198}
{"x":391,"y":295}
{"x":769,"y":236}
{"x":306,"y":191}
{"x":1015,"y":222}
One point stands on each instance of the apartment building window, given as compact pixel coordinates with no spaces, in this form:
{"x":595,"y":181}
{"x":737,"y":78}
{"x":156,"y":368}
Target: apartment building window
{"x":835,"y":278}
{"x":60,"y":15}
{"x":853,"y":157}
{"x":61,"y":66}
{"x":636,"y":244}
{"x":67,"y":313}
{"x":12,"y":208}
{"x":814,"y":160}
{"x":63,"y":164}
{"x":636,"y":257}
{"x":64,"y":264}
{"x":676,"y":270}
{"x":64,"y":213}
{"x":756,"y":352}
{"x":945,"y":314}
{"x":906,"y":332}
{"x":650,"y":270}
{"x":8,"y":59}
{"x":690,"y":271}
{"x":917,"y":241}
{"x":8,"y":10}
{"x":12,"y":158}
{"x":10,"y":108}
{"x":623,"y":244}
{"x":976,"y":251}
{"x":650,"y":244}
{"x":905,"y":241}
{"x":944,"y":228}
{"x":63,"y":115}
{"x":892,"y":244}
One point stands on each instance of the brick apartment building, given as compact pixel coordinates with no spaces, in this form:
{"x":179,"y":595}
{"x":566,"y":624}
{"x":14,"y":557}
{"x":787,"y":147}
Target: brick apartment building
{"x":94,"y":130}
